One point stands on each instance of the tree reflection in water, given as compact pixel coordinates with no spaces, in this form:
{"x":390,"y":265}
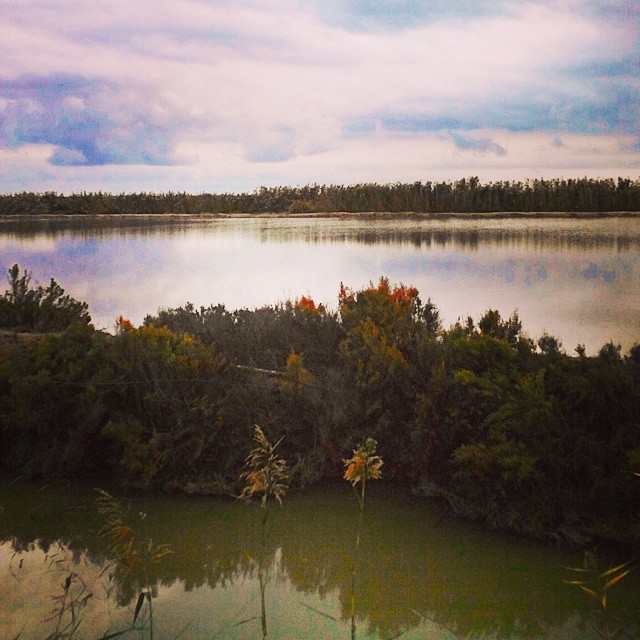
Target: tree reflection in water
{"x":422,"y":575}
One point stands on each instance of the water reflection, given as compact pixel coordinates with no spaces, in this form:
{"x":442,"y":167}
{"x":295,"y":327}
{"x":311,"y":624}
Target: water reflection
{"x":421,"y":575}
{"x":614,"y":234}
{"x":51,"y":227}
{"x":576,"y":279}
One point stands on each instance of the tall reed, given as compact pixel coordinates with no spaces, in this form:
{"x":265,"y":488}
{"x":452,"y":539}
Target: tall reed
{"x":133,"y":555}
{"x":362,"y":466}
{"x":70,"y":605}
{"x":267,"y":476}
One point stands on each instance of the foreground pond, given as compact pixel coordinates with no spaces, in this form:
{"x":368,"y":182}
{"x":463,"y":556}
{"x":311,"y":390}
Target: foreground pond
{"x":423,"y":573}
{"x":577,"y":279}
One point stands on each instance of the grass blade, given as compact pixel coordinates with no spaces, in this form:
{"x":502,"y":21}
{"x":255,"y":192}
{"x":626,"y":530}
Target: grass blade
{"x":592,"y":593}
{"x":617,"y":578}
{"x":239,"y":624}
{"x":231,"y":626}
{"x":320,"y":613}
{"x":608,"y":572}
{"x":141,"y":598}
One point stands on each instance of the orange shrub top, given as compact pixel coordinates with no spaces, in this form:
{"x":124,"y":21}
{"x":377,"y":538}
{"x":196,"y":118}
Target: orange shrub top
{"x":391,"y":309}
{"x":308,"y":306}
{"x":123,"y":324}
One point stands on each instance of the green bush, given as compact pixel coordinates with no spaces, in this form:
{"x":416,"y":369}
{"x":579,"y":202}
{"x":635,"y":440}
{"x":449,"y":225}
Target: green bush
{"x":521,"y":437}
{"x":36,"y":308}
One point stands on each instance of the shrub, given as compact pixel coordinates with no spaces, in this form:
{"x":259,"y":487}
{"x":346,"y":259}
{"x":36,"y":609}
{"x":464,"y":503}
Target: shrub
{"x":36,"y":308}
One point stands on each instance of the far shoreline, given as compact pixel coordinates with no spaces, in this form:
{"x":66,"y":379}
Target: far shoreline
{"x":329,"y":215}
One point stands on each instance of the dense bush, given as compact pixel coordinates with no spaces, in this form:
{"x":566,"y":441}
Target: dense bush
{"x":36,"y":308}
{"x":517,"y":434}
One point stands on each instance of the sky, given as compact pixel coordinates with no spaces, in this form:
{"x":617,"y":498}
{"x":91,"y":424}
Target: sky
{"x":228,"y":96}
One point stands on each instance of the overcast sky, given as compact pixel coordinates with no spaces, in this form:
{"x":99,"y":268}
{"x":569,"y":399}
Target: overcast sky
{"x":215,"y":95}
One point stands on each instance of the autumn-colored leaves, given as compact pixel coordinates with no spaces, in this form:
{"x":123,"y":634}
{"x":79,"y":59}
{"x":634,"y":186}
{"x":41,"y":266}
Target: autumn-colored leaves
{"x":266,"y":474}
{"x":389,"y":308}
{"x":364,"y":464}
{"x":308,"y":306}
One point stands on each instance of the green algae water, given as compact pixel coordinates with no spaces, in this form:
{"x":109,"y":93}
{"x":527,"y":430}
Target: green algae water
{"x":423,"y":573}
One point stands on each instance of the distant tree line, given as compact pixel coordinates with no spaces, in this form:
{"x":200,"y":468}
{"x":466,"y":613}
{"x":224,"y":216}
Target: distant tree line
{"x":498,"y":426}
{"x":467,"y":195}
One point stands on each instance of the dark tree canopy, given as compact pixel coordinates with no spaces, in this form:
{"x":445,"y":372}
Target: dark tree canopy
{"x":467,"y":195}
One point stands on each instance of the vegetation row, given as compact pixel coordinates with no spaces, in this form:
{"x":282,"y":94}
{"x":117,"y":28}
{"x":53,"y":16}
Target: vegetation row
{"x":467,"y":195}
{"x":502,"y":428}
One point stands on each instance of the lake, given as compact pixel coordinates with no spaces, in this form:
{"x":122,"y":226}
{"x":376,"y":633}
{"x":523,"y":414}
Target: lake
{"x":424,"y":574}
{"x":577,"y":279}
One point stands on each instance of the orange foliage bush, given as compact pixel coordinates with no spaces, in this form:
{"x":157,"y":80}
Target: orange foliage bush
{"x":390,"y":309}
{"x":122,"y":325}
{"x":308,"y":306}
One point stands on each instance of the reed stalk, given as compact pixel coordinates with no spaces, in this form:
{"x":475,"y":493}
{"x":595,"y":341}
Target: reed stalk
{"x":266,"y":475}
{"x":131,"y":557}
{"x":362,"y":466}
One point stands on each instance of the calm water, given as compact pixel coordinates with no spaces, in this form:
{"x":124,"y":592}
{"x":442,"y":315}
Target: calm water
{"x":576,"y":279}
{"x":423,"y":574}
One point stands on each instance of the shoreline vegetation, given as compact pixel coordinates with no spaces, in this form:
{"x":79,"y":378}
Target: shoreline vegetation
{"x":500,"y":427}
{"x":329,"y":215}
{"x":467,"y":196}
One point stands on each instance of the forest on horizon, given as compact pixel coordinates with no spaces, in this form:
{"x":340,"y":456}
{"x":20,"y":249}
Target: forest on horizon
{"x":467,"y":195}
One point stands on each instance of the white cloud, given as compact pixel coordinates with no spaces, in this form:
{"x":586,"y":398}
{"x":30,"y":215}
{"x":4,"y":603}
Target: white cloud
{"x":283,"y":85}
{"x":74,"y":103}
{"x":222,"y":166}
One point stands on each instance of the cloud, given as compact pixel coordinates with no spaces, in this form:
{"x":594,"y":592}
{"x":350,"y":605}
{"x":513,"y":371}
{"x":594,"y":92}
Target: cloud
{"x":382,"y":15}
{"x":594,"y":272}
{"x":116,"y":84}
{"x":478,"y":145}
{"x":223,"y":166}
{"x":91,"y":122}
